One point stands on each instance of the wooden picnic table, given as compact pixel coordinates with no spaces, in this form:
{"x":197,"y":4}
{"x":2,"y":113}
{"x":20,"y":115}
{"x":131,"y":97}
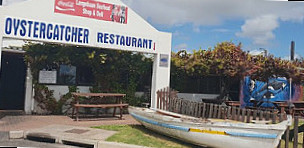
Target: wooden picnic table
{"x":233,"y":103}
{"x":118,"y":99}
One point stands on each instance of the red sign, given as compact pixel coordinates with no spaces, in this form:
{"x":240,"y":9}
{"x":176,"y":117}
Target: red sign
{"x":92,"y":9}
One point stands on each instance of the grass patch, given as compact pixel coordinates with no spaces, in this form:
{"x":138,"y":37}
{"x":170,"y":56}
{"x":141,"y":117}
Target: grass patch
{"x":139,"y":135}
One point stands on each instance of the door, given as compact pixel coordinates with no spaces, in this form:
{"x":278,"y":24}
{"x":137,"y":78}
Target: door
{"x":12,"y":81}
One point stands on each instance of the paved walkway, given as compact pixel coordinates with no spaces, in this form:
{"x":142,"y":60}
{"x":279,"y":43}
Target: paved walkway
{"x":27,"y":122}
{"x":57,"y":126}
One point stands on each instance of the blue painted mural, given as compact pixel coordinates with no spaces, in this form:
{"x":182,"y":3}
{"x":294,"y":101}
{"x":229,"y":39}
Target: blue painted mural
{"x":277,"y":89}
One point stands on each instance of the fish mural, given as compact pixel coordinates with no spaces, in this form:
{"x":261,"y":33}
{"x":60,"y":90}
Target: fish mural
{"x":277,"y":89}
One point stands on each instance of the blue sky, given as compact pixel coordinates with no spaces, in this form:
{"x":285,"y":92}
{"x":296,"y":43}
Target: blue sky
{"x":257,"y":24}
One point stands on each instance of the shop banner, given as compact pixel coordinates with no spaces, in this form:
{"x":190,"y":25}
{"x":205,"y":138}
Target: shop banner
{"x":92,"y":9}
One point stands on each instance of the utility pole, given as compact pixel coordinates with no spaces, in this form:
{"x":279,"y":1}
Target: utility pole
{"x":292,"y":51}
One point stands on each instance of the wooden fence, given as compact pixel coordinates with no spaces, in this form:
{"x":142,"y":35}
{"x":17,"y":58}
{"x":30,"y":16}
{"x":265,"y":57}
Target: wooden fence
{"x":167,"y":100}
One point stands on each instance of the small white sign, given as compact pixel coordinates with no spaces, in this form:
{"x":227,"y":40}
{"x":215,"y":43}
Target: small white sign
{"x":47,"y":77}
{"x":163,"y":61}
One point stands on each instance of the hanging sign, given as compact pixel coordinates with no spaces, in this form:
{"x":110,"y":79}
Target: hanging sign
{"x":47,"y":77}
{"x":92,"y":9}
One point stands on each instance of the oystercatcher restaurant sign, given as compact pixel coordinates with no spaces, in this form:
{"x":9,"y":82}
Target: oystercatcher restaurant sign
{"x":92,"y":9}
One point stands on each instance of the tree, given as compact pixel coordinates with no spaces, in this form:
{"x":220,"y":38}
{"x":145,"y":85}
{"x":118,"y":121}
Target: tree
{"x":231,"y":63}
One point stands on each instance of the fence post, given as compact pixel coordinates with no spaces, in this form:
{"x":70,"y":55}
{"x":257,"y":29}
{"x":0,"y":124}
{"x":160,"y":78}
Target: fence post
{"x":287,"y":137}
{"x":161,"y":99}
{"x":274,"y":117}
{"x":261,"y":115}
{"x":167,"y":98}
{"x":200,"y":109}
{"x":210,"y":111}
{"x":215,"y":107}
{"x":238,"y":114}
{"x":219,"y":112}
{"x":229,"y":112}
{"x":157,"y":99}
{"x":204,"y":110}
{"x":233,"y":113}
{"x":267,"y":115}
{"x":255,"y":113}
{"x":243,"y":115}
{"x":248,"y":115}
{"x":296,"y":130}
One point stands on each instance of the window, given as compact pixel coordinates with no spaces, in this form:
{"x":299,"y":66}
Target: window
{"x":69,"y":75}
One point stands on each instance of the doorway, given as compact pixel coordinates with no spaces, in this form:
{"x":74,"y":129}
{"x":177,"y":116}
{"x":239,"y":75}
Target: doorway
{"x":12,"y":81}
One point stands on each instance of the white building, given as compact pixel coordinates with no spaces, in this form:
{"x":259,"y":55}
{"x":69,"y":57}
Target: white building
{"x":106,"y":24}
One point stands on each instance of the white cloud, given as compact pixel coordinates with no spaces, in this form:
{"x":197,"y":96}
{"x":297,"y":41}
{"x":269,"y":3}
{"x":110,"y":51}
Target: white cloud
{"x":259,"y":29}
{"x":256,"y":52}
{"x":182,"y":46}
{"x":212,"y":12}
{"x":256,"y":13}
{"x":296,"y":56}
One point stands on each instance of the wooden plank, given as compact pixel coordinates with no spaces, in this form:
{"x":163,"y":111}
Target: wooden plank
{"x":238,"y":114}
{"x":183,"y":106}
{"x":219,"y":112}
{"x":296,"y":131}
{"x":229,"y":112}
{"x":274,"y":117}
{"x":255,"y":113}
{"x":248,"y":111}
{"x":267,"y":115}
{"x":287,"y":137}
{"x":215,"y":109}
{"x":191,"y":113}
{"x":160,"y":99}
{"x":180,"y":106}
{"x":243,"y":115}
{"x":197,"y":114}
{"x":204,"y":110}
{"x":164,"y":99}
{"x":210,"y":111}
{"x":171,"y":104}
{"x":168,"y":98}
{"x":200,"y":105}
{"x":189,"y":108}
{"x":233,"y":116}
{"x":261,"y":113}
{"x":100,"y":105}
{"x":157,"y":99}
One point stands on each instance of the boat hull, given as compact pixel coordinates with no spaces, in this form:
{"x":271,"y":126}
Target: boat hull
{"x":221,"y":134}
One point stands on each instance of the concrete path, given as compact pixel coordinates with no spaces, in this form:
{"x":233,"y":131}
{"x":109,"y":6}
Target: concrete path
{"x":61,"y":128}
{"x":27,"y":122}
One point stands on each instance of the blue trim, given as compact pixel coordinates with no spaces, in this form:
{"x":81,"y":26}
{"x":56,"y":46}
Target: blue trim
{"x":186,"y":129}
{"x":265,"y":136}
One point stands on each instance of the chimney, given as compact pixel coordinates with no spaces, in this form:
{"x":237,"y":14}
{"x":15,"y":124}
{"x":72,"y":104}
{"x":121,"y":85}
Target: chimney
{"x":292,"y":50}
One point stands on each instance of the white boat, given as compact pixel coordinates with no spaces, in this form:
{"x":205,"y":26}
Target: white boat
{"x":217,"y":133}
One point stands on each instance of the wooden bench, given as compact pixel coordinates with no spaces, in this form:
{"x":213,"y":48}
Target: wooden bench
{"x":118,"y":104}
